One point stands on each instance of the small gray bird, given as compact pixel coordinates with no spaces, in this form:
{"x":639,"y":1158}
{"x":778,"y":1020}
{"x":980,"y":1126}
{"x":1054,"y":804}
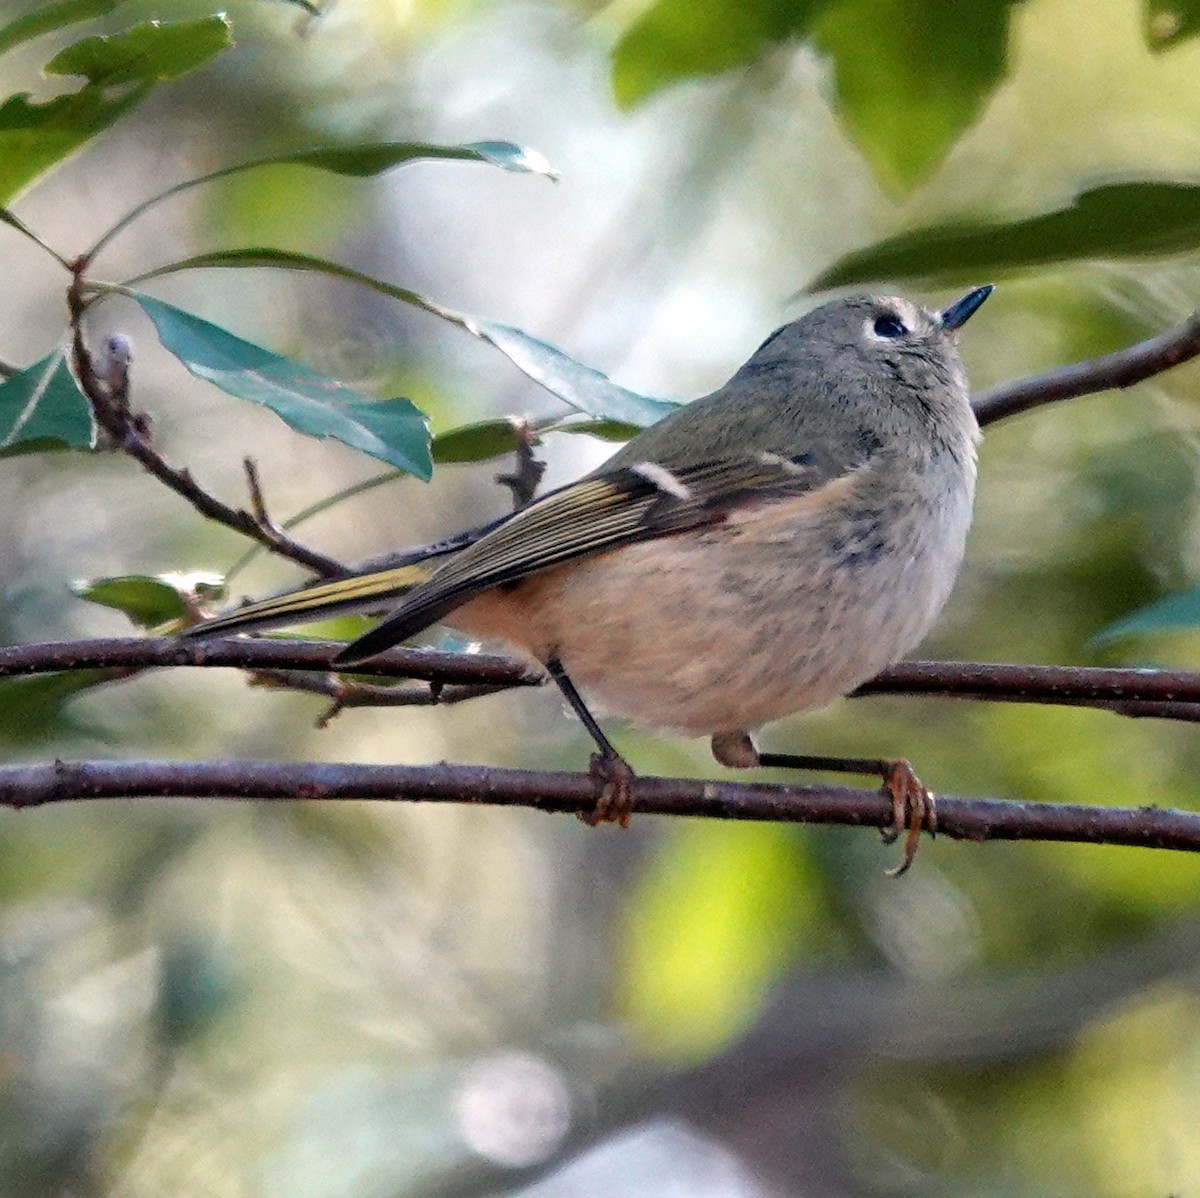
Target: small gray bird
{"x":761,"y":551}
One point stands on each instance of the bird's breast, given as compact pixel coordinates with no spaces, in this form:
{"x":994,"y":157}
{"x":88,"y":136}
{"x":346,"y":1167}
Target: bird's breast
{"x":784,"y":606}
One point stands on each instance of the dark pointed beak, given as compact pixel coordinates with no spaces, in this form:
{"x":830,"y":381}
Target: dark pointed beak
{"x":955,"y":316}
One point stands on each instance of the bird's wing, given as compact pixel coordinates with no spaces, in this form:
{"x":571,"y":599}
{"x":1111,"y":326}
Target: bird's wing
{"x":634,"y":502}
{"x":339,"y":597}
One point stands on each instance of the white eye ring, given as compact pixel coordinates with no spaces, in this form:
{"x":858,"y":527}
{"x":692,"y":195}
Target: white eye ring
{"x":888,"y":327}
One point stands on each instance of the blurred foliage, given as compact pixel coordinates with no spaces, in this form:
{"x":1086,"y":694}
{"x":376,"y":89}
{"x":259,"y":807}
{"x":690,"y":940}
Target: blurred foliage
{"x":120,"y":71}
{"x":1131,"y":220}
{"x":405,"y":1000}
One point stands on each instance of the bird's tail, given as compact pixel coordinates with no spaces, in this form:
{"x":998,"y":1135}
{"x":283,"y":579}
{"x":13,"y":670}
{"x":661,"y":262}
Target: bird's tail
{"x":342,"y":596}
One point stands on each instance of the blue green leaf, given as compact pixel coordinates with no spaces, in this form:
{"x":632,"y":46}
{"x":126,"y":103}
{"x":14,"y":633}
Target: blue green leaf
{"x":393,"y":430}
{"x":42,"y":408}
{"x":1171,"y":613}
{"x":576,"y":384}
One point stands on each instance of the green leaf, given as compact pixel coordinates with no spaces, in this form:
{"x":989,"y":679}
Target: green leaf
{"x":681,"y":39}
{"x":909,"y":78}
{"x":47,"y":17}
{"x":360,"y":161}
{"x":1171,"y":613}
{"x":150,"y":600}
{"x":475,"y":442}
{"x":1170,"y":22}
{"x":149,"y":53}
{"x":42,"y":408}
{"x":34,"y":137}
{"x":1118,"y":220}
{"x":121,"y":71}
{"x":494,"y":438}
{"x":393,"y":430}
{"x":31,"y":709}
{"x":583,"y":388}
{"x":374,"y":158}
{"x":603,"y":430}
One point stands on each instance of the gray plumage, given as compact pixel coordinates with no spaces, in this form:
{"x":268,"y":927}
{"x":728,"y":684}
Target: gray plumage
{"x":761,"y":551}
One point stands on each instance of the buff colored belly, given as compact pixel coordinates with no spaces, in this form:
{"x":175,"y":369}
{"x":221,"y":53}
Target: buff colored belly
{"x":705,"y":632}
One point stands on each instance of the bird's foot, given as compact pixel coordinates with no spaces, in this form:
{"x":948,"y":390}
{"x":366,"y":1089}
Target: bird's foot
{"x":614,"y":804}
{"x":914,"y":809}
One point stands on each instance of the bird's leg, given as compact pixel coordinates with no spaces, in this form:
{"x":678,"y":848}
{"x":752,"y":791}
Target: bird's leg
{"x":614,"y":805}
{"x":913,"y":805}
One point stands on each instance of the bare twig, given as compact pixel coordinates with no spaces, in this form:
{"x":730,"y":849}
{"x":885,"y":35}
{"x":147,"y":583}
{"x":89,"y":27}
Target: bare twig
{"x":258,"y":504}
{"x":430,"y":665}
{"x":346,"y":694}
{"x":1123,"y":368}
{"x":1170,"y":694}
{"x":130,"y":434}
{"x":523,"y":481}
{"x":960,"y":819}
{"x":1090,"y":686}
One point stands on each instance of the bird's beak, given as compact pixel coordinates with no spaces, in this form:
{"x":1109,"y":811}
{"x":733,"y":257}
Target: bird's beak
{"x":955,"y":316}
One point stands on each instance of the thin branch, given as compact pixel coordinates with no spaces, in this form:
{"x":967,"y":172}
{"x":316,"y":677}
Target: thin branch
{"x":345,"y":694}
{"x":24,"y":786}
{"x":131,"y":434}
{"x":523,"y":480}
{"x":1171,"y":694}
{"x":1124,"y":368}
{"x":1095,"y":686}
{"x":158,"y":652}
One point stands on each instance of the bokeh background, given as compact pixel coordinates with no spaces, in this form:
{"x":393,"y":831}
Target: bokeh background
{"x":391,"y":1001}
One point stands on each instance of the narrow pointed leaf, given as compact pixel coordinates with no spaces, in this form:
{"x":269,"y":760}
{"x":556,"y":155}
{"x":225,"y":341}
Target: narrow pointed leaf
{"x":602,"y":430}
{"x":393,"y":430}
{"x":375,"y":158}
{"x":42,"y":408}
{"x":1115,"y":221}
{"x":48,"y":17}
{"x":359,"y":161}
{"x":1171,"y":613}
{"x":583,"y":388}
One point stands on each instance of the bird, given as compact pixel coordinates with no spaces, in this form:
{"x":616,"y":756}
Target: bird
{"x":760,"y":551}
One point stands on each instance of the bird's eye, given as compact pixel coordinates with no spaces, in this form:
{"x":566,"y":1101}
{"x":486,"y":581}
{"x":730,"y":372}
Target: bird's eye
{"x":889,"y":325}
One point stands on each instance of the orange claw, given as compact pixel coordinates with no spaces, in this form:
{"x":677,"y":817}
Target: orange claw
{"x":614,"y":804}
{"x":913,"y":809}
